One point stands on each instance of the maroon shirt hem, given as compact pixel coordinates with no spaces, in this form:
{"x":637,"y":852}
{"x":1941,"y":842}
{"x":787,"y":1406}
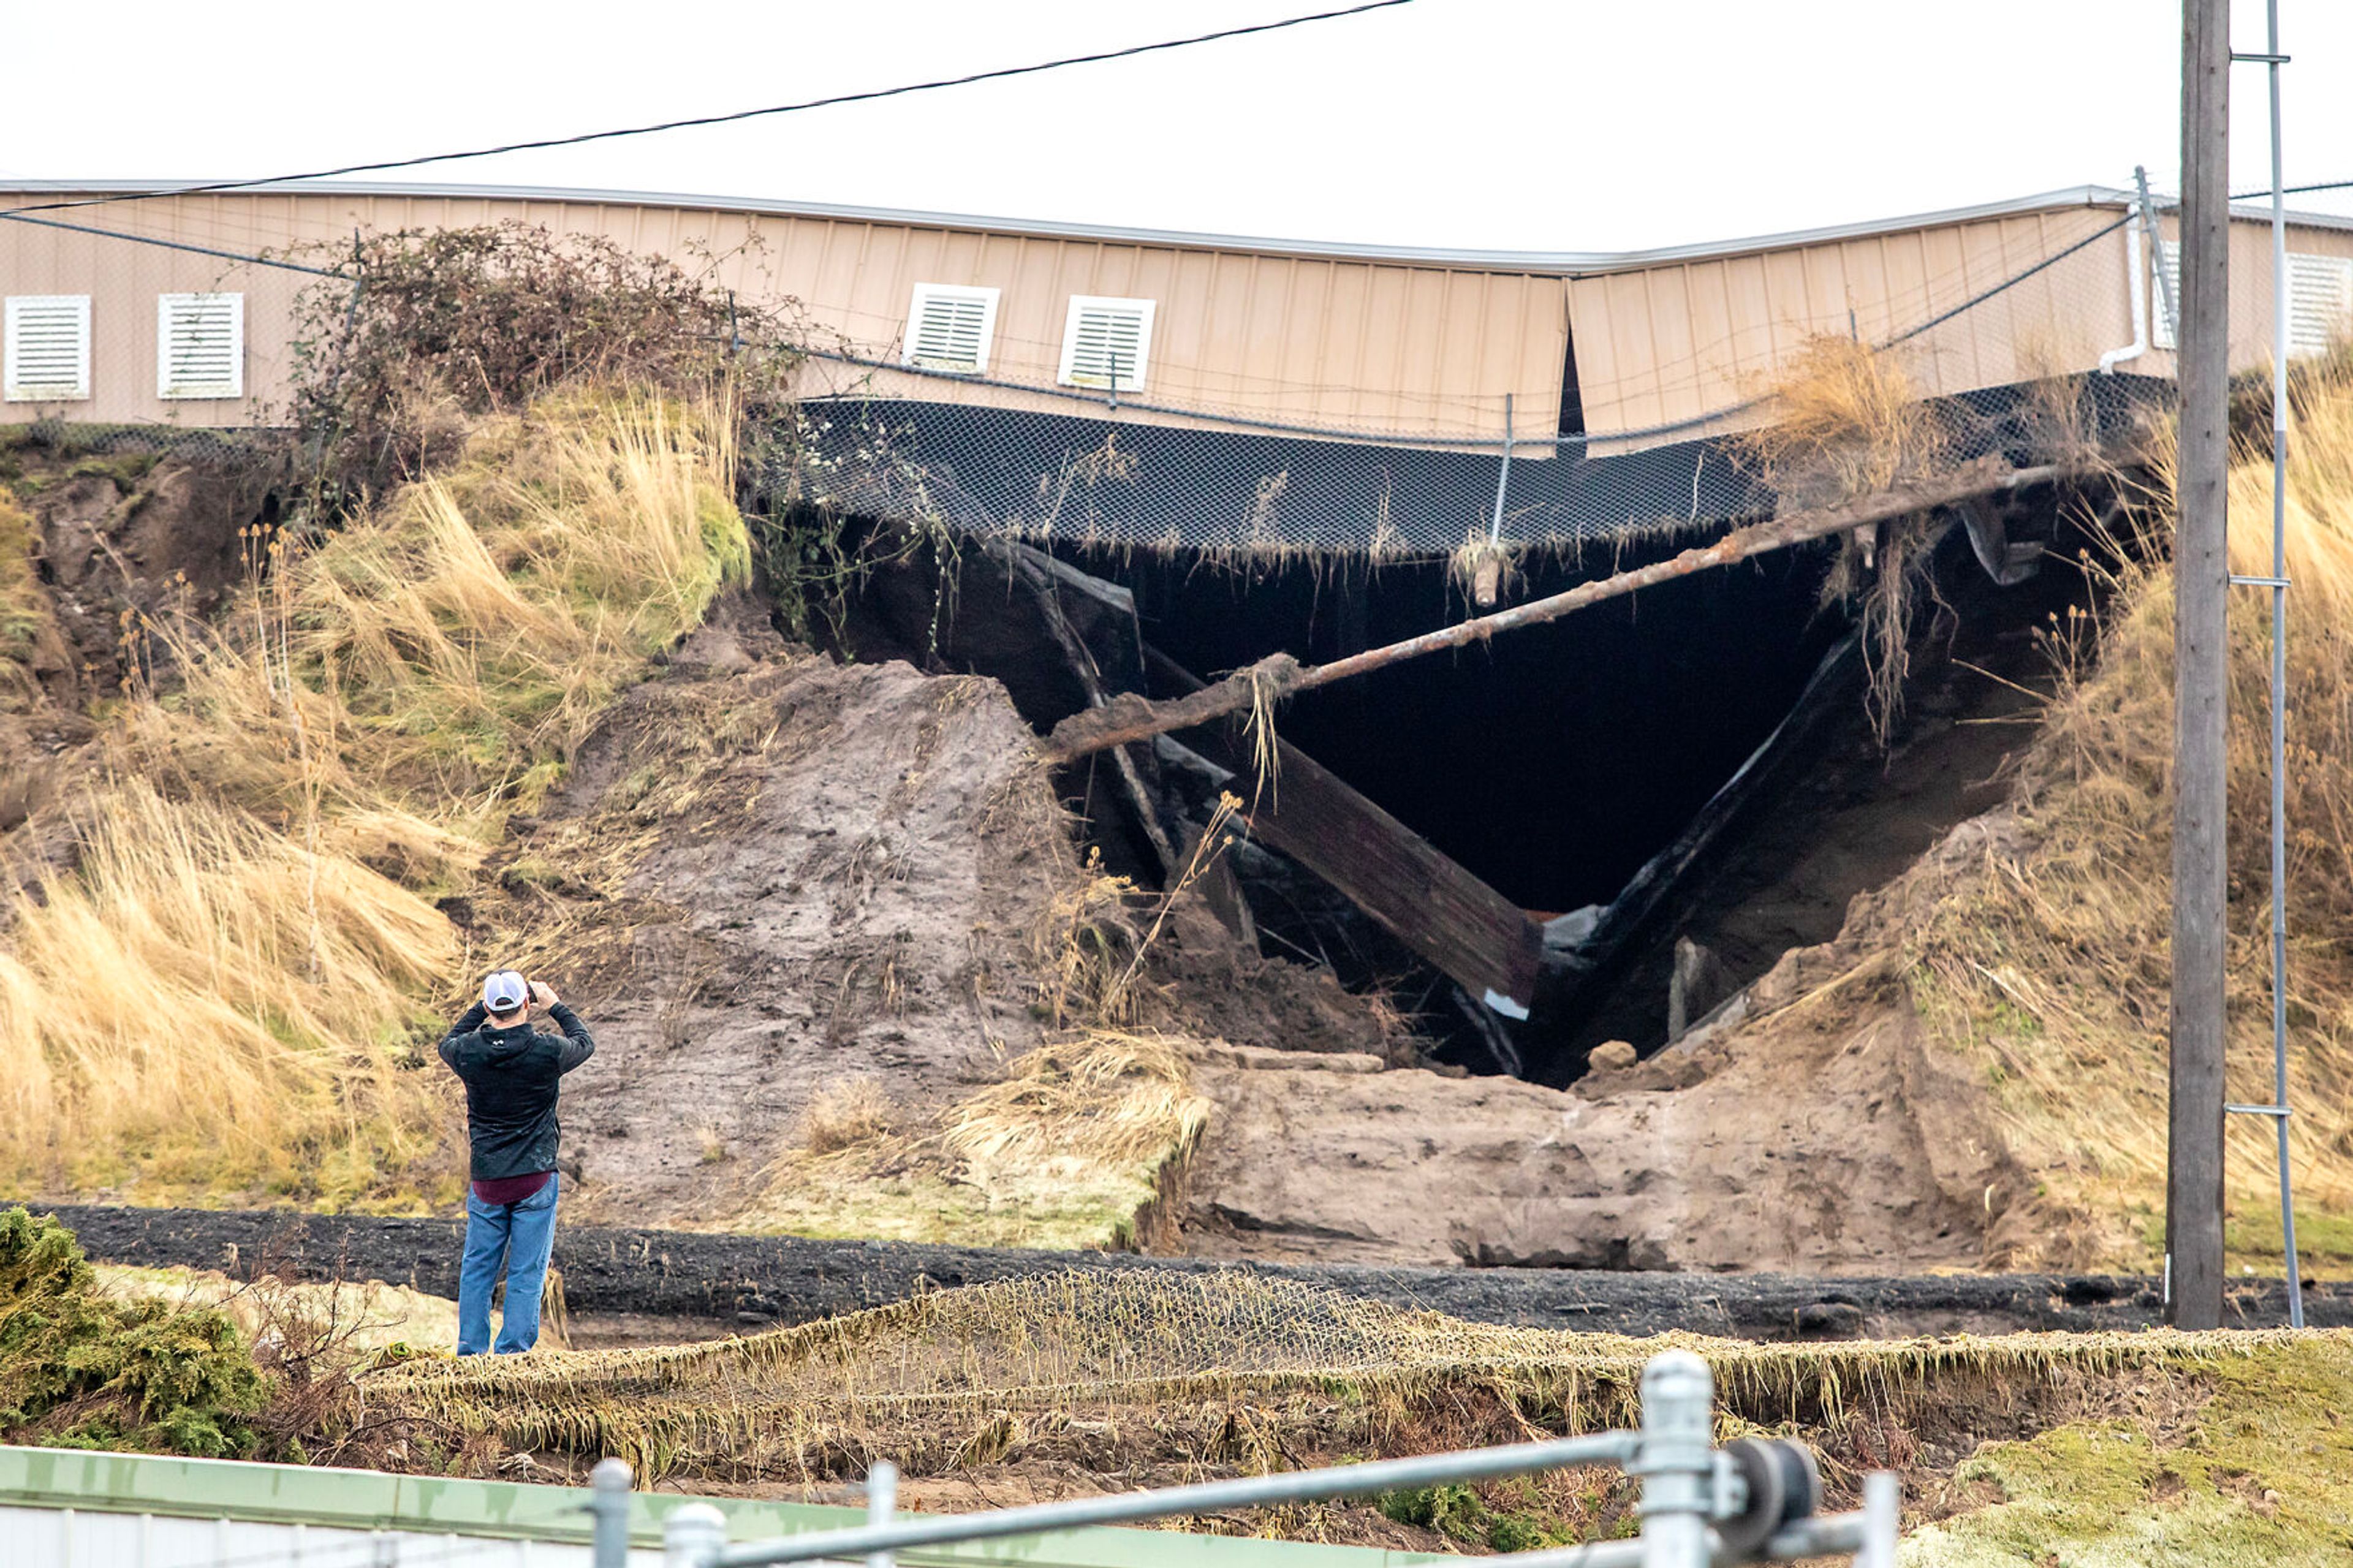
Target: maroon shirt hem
{"x":510,"y":1189}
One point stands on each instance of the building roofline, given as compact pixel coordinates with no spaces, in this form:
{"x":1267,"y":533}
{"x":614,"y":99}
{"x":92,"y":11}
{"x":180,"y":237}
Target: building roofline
{"x":1568,"y":263}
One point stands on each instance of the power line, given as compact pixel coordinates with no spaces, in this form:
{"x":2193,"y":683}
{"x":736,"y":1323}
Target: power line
{"x":16,"y":214}
{"x":2295,"y":190}
{"x":739,"y":115}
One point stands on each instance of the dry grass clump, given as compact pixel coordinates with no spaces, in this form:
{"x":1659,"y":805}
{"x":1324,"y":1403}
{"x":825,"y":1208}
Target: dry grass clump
{"x":218,"y":999}
{"x":1064,"y":1150}
{"x":844,"y":1113}
{"x":212,"y":1002}
{"x":2050,"y":967}
{"x":1104,"y":1101}
{"x":1846,"y":420}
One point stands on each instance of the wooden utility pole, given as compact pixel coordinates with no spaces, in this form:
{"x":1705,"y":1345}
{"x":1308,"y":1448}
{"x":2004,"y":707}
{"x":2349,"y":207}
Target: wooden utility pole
{"x":2193,"y":1188}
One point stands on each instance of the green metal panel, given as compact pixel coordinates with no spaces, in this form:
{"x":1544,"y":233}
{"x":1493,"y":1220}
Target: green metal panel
{"x":371,"y":1499}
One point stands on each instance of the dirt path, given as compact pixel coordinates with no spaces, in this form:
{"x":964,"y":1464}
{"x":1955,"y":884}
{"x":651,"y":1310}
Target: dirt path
{"x":751,"y":1280}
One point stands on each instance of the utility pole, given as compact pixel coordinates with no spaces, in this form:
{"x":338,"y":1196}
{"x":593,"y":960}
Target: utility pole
{"x":2193,"y":1188}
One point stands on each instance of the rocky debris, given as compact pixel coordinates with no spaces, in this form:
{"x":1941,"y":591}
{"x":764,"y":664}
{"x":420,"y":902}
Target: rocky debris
{"x":1611,"y":1056}
{"x":748,"y":1281}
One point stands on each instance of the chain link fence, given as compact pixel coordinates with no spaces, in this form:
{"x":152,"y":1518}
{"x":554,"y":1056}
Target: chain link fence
{"x":2015,"y":369}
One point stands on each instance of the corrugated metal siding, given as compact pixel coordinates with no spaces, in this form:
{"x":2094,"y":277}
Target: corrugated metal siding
{"x":1308,"y":340}
{"x":1369,"y":345}
{"x":1676,"y":343}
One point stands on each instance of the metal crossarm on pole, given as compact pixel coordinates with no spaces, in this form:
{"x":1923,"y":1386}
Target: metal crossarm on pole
{"x":2161,"y":281}
{"x":2273,"y":61}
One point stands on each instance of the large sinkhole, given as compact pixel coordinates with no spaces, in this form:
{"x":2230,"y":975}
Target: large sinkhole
{"x":1715,"y":725}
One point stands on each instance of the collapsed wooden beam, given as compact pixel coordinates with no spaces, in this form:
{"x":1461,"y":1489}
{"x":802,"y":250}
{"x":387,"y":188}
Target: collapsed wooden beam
{"x":1470,"y":933}
{"x":1129,"y":717}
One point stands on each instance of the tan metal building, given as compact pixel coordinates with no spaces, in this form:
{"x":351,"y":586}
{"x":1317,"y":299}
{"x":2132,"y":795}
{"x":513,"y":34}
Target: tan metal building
{"x":1627,"y":350}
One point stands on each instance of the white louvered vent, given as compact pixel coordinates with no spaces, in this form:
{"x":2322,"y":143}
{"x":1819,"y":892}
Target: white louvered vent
{"x":200,"y":345}
{"x":1103,"y":333}
{"x":949,"y":328}
{"x":2319,"y":302}
{"x":2161,"y":317}
{"x":47,"y":349}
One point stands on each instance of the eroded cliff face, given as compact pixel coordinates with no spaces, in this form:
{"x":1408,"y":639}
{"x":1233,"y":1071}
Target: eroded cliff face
{"x":88,"y":546}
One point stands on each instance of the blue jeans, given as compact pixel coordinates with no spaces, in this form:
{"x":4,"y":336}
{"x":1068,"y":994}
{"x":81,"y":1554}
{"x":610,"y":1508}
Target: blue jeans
{"x":521,"y":1235}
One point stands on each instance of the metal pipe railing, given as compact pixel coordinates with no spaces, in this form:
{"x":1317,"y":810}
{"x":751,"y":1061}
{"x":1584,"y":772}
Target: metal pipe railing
{"x":1689,"y":1489}
{"x":1206,"y":1497}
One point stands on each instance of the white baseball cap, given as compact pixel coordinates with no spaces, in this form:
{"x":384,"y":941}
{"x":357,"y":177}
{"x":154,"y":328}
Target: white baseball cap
{"x":504,"y":992}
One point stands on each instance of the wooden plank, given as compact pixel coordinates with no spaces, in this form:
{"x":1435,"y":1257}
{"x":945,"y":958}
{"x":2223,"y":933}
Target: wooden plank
{"x":1475,"y":936}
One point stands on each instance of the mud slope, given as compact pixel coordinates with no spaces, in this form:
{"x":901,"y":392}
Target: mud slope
{"x":1820,"y":1136}
{"x":769,"y":876}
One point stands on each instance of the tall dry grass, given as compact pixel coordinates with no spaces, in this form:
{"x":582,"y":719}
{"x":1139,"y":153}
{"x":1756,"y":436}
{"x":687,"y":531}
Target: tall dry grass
{"x":1845,"y":419}
{"x":227,"y":997}
{"x":205,"y":1000}
{"x":21,"y":609}
{"x":442,"y":655}
{"x":2050,"y":968}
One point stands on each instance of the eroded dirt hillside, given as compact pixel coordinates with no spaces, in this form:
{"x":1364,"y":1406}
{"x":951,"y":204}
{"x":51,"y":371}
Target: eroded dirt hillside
{"x":1817,"y":1130}
{"x":812,"y":907}
{"x":85,"y":541}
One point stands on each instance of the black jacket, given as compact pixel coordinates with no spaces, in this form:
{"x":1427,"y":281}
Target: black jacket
{"x":511,"y":1077}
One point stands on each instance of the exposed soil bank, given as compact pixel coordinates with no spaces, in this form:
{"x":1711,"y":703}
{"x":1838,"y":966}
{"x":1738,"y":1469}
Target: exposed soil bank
{"x":755,"y":1280}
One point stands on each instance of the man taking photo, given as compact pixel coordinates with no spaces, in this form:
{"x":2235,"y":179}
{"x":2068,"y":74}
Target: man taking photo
{"x":510,"y":1072}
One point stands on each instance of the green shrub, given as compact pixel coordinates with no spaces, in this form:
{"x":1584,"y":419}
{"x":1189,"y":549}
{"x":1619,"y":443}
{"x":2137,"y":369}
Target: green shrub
{"x":80,"y":1371}
{"x":1454,"y":1510}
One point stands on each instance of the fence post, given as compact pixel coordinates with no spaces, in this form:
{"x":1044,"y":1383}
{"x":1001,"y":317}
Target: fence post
{"x":609,"y":1514}
{"x":693,"y":1536}
{"x":1675,"y":1459}
{"x":1883,"y":1502}
{"x":882,"y":1502}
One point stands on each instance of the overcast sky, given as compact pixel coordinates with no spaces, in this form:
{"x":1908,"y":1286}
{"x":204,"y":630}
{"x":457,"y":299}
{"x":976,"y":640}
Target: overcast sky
{"x":1515,"y":124}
